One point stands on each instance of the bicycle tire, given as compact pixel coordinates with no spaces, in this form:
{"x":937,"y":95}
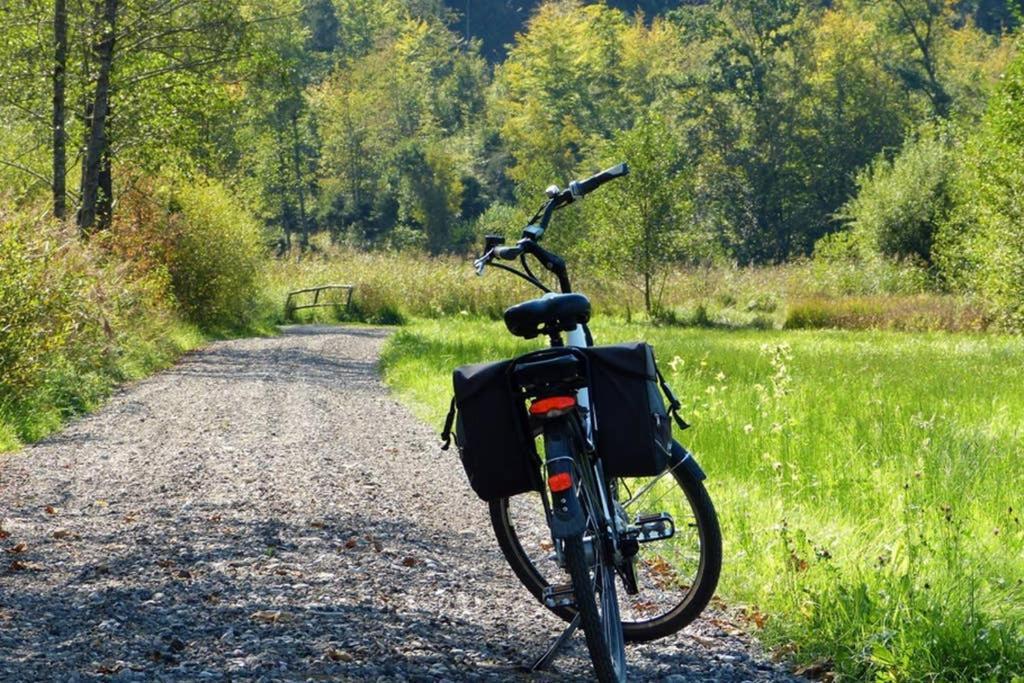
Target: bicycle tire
{"x":684,"y":613}
{"x":590,"y":619}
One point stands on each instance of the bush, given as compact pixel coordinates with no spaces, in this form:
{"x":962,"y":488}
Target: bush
{"x":50,"y":320}
{"x":210,"y":250}
{"x":75,"y":319}
{"x":981,"y":247}
{"x":900,"y":202}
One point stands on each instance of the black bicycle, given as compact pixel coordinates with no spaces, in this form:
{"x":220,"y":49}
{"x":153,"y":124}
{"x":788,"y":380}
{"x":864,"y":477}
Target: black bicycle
{"x":609,"y":525}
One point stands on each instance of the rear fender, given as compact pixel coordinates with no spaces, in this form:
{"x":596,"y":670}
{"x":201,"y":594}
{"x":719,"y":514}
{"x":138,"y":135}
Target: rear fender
{"x":567,"y":517}
{"x":680,"y":457}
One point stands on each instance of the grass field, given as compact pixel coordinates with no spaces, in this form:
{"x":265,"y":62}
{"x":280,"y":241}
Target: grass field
{"x":869,"y":484}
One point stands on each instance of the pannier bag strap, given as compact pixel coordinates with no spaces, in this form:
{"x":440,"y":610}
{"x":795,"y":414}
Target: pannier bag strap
{"x":673,"y":403}
{"x":446,"y":433}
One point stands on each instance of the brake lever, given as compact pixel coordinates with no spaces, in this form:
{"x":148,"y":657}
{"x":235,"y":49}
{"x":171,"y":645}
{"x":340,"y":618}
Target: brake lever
{"x":480,"y":263}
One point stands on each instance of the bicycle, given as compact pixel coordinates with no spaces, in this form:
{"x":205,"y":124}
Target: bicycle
{"x":603,"y":516}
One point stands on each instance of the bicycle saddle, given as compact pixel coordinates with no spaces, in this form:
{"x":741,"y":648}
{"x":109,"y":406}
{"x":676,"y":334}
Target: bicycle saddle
{"x":558,"y":313}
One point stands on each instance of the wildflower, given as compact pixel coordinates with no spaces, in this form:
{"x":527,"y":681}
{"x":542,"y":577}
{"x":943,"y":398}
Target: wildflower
{"x":747,"y":428}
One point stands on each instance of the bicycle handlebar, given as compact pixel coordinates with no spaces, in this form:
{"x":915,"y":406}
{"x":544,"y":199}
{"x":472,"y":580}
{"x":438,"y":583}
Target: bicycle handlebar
{"x":579,"y":188}
{"x":538,"y":224}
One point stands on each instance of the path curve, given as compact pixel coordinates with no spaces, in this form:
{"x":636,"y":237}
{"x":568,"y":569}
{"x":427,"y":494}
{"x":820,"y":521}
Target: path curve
{"x":265,"y":510}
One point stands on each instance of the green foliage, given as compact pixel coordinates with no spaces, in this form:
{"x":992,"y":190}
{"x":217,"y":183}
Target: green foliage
{"x":214,"y":257}
{"x":901,"y":202}
{"x":397,"y":146}
{"x":876,"y":527}
{"x":642,"y":223}
{"x":75,"y":320}
{"x":561,"y":90}
{"x":982,"y":244}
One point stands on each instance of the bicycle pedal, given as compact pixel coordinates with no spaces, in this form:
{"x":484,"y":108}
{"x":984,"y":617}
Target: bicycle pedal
{"x":559,"y":596}
{"x":653,"y":528}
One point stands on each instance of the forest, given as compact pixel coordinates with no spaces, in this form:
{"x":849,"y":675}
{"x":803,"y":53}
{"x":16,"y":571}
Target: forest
{"x":764,"y":130}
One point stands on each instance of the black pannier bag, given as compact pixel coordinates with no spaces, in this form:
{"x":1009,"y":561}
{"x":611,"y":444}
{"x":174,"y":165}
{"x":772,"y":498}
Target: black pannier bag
{"x":492,"y":433}
{"x":632,"y":430}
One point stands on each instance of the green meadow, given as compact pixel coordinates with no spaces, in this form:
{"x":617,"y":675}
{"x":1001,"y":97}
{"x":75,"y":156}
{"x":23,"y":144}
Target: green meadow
{"x":869,"y":484}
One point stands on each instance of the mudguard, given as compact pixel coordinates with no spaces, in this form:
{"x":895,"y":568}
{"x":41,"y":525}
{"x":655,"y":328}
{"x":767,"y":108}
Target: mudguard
{"x":566,"y":513}
{"x":680,"y":457}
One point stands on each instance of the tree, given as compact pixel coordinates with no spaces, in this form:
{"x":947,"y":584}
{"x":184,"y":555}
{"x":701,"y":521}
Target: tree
{"x":980,"y":248}
{"x":560,"y":91}
{"x":642,"y":223}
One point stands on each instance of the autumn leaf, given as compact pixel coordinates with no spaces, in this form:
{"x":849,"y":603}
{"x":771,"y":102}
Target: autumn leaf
{"x":338,"y":655}
{"x":19,"y":548}
{"x":20,"y":566}
{"x":271,"y":616}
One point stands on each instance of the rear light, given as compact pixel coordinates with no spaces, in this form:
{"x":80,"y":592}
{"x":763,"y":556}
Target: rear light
{"x":558,"y":405}
{"x":560,"y":482}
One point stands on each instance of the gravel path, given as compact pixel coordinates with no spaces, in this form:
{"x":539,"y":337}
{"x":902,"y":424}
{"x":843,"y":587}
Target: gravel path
{"x":266,"y":511}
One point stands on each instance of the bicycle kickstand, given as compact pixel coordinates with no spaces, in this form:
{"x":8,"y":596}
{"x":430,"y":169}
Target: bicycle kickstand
{"x":553,"y":651}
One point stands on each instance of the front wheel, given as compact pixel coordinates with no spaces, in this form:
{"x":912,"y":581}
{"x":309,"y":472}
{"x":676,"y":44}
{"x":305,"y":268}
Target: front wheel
{"x":675,"y":577}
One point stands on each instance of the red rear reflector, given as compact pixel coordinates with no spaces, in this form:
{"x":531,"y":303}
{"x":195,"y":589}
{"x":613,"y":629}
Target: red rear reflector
{"x":546,"y":405}
{"x":560,"y":482}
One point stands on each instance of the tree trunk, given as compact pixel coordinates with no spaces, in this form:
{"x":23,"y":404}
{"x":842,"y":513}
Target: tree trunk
{"x":303,"y":224}
{"x":286,"y":210}
{"x":60,"y":59}
{"x":97,"y":141}
{"x":647,"y":292}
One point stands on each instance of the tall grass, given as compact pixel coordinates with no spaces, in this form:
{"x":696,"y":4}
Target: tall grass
{"x":869,"y":483}
{"x":394,"y":286}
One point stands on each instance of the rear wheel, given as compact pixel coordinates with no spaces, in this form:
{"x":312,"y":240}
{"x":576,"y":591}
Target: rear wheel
{"x":675,"y":577}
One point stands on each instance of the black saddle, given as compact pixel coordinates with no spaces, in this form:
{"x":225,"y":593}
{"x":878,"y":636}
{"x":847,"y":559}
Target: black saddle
{"x":559,"y":313}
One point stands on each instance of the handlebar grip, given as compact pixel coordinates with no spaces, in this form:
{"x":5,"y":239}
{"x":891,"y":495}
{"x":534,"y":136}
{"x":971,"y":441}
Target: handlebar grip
{"x":508,"y":253}
{"x":582,"y":187}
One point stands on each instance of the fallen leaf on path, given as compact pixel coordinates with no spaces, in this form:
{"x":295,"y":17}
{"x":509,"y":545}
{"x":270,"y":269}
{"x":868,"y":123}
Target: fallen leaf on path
{"x":410,"y":561}
{"x":4,"y":534}
{"x":339,"y":655}
{"x":19,"y":548}
{"x":21,"y":566}
{"x":816,"y":670}
{"x":101,"y":503}
{"x":705,"y":642}
{"x":783,"y":651}
{"x":351,"y":543}
{"x":50,"y":510}
{"x":271,"y":616}
{"x":759,"y":618}
{"x":61,"y":534}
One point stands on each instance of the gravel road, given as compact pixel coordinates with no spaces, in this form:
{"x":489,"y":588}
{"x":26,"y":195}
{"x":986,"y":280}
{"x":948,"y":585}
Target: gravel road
{"x":265,"y":510}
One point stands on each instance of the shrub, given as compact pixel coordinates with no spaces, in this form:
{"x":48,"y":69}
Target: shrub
{"x":981,"y":247}
{"x":50,"y":320}
{"x":75,"y":319}
{"x":900,"y":202}
{"x":210,"y":250}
